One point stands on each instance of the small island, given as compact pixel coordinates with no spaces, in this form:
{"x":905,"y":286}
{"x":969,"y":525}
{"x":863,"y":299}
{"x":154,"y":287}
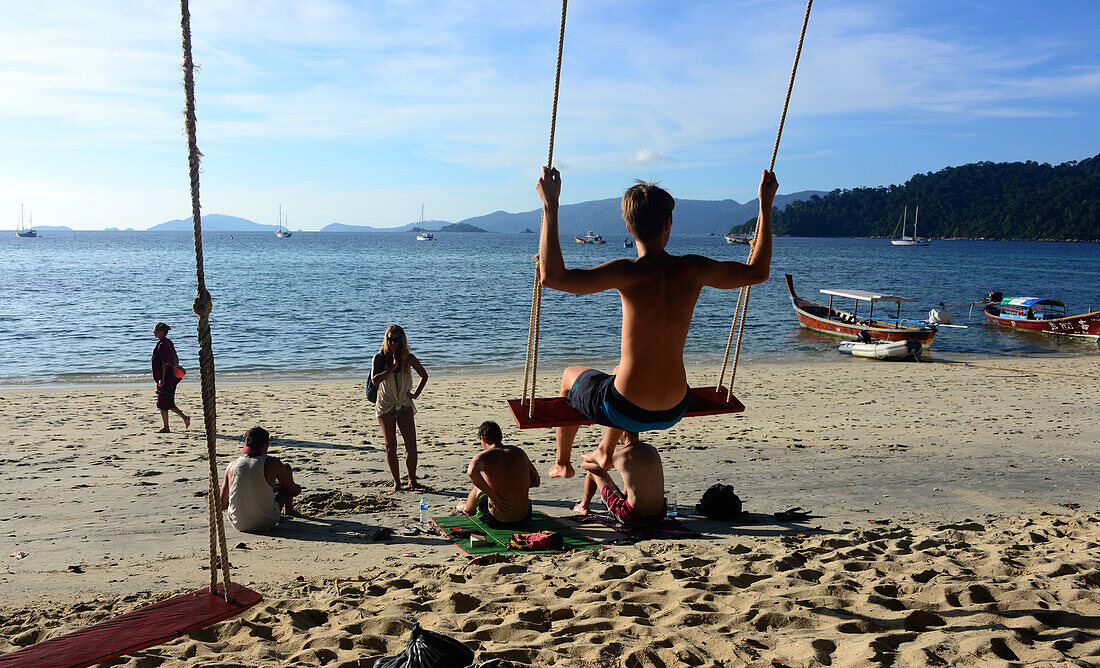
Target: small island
{"x":461,"y":227}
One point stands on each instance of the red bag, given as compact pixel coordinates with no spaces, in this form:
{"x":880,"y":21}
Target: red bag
{"x":540,"y":540}
{"x":180,"y":372}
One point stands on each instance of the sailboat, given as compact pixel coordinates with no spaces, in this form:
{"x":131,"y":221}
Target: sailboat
{"x":282,"y":232}
{"x":22,"y":231}
{"x":907,"y":240}
{"x":421,"y":234}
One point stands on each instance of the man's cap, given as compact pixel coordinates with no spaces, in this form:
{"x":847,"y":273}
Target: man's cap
{"x":255,"y":442}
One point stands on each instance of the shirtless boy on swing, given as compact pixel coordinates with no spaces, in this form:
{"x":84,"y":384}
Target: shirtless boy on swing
{"x":648,"y":389}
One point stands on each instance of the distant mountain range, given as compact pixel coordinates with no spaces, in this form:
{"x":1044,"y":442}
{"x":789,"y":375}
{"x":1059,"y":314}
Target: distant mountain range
{"x":214,"y":222}
{"x":692,"y":216}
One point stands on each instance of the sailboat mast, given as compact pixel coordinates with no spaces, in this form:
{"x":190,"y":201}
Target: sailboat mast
{"x":916,"y":215}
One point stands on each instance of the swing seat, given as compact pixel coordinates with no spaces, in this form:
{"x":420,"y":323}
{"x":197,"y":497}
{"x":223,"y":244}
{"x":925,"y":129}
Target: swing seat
{"x":555,"y":412}
{"x":134,"y":631}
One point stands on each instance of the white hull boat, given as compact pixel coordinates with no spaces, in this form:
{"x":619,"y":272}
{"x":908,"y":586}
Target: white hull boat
{"x":884,"y":350}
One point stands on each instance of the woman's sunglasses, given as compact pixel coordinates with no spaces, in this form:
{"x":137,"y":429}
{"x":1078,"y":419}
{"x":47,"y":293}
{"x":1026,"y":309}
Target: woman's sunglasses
{"x":393,"y":338}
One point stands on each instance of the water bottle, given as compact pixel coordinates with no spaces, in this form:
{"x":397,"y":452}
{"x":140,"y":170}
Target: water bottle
{"x":672,"y":509}
{"x":424,"y":510}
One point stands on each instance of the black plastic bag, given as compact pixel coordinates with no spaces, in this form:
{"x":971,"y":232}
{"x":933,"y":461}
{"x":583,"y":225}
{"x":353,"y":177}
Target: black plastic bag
{"x":428,"y":649}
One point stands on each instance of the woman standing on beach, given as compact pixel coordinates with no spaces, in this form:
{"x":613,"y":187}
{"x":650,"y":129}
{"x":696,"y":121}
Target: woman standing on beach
{"x":164,"y":364}
{"x":391,"y":371}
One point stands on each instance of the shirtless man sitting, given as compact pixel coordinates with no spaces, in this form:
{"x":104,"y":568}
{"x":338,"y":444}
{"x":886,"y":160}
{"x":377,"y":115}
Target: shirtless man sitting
{"x":259,"y":489}
{"x":648,"y":389}
{"x":641,"y":501}
{"x":502,"y":476}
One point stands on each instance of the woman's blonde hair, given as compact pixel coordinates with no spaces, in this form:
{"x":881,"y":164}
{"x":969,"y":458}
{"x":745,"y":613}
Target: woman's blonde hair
{"x":402,"y":346}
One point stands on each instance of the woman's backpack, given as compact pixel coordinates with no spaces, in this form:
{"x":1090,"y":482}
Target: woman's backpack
{"x":372,"y":389}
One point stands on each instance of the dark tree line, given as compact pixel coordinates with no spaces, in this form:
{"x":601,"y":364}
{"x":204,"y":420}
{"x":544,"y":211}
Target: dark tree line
{"x":984,"y":200}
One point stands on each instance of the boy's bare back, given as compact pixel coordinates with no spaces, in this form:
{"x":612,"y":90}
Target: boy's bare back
{"x":643,"y":477}
{"x":658,"y":292}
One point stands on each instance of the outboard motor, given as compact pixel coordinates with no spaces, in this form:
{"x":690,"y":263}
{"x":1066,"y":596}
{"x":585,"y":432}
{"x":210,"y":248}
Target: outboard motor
{"x":863,"y":336}
{"x":940,"y":316}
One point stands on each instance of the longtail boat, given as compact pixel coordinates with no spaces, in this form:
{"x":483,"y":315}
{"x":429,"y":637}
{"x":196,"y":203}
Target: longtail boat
{"x":830,"y":320}
{"x":1040,"y":314}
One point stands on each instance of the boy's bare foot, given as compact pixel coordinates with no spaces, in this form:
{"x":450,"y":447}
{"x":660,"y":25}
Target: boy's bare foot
{"x":166,"y":430}
{"x":396,"y":487}
{"x":562,"y":470}
{"x":186,"y":422}
{"x":415,"y":485}
{"x":599,"y":458}
{"x":582,"y":509}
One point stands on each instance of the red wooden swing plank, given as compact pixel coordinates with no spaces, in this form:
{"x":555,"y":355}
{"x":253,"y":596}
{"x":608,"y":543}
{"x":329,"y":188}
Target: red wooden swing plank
{"x":134,"y":631}
{"x":555,"y":412}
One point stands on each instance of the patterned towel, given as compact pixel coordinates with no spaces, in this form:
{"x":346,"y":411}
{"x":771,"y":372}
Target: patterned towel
{"x":666,"y":528}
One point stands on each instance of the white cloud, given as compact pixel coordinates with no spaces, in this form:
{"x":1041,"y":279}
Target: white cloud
{"x":646,"y":156}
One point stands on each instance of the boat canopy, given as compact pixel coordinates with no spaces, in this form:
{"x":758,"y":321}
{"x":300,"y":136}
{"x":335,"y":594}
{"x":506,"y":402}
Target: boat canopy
{"x":1028,"y":302}
{"x":867,"y":296}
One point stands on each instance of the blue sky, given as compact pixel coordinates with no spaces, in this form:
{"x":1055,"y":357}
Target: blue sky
{"x":359,"y":112}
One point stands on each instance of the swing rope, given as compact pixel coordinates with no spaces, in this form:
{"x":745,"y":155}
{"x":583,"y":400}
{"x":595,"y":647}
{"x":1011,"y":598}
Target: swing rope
{"x":202,"y":307}
{"x":738,"y":323}
{"x":530,"y":367}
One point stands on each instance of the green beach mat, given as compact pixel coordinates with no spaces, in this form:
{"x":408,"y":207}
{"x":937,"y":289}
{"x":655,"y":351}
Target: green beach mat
{"x":498,"y":538}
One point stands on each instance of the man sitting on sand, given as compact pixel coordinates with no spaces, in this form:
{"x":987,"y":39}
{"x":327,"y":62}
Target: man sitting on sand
{"x":502,"y":477}
{"x":259,"y":489}
{"x":641,"y":501}
{"x":648,"y":389}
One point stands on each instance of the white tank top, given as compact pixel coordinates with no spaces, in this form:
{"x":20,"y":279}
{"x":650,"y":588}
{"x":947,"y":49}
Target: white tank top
{"x":393,"y":392}
{"x":252,"y":504}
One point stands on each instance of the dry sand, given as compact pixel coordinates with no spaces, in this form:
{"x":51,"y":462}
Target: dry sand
{"x":941,"y":533}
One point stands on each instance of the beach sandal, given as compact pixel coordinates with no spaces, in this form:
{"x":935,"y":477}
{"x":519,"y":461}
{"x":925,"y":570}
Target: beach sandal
{"x":795,"y":514}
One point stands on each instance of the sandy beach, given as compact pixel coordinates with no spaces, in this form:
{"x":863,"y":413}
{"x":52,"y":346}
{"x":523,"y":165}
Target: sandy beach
{"x":955,"y":521}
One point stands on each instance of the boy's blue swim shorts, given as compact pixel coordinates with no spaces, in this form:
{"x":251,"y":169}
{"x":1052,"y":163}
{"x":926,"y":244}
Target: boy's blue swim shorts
{"x":594,"y":395}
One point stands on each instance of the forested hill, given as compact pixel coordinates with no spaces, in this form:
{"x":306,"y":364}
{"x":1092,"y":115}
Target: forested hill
{"x":1011,"y":200}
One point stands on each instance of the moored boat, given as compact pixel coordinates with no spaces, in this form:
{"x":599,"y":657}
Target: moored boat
{"x":25,"y":232}
{"x":1040,"y":314}
{"x":281,"y":230}
{"x":742,"y":239}
{"x":906,"y":240}
{"x":830,"y":320}
{"x":884,"y":350}
{"x":422,"y":234}
{"x":589,"y":237}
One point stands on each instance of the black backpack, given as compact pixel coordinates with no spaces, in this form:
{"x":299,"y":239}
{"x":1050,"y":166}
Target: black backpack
{"x":720,"y":502}
{"x":428,"y":649}
{"x":372,"y":389}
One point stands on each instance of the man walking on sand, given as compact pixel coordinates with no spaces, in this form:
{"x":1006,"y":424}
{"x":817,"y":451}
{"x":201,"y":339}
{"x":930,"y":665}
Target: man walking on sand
{"x":502,"y":476}
{"x":648,"y":389}
{"x":259,"y":489}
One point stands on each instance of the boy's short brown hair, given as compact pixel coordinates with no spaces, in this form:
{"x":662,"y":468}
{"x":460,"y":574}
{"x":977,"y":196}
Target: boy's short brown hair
{"x":490,"y":431}
{"x":646,"y":209}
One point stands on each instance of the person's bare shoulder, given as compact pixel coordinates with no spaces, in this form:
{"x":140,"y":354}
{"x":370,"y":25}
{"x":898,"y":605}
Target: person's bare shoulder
{"x":637,"y":454}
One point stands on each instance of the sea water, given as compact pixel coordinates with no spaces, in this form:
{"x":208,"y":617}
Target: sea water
{"x":80,"y":306}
